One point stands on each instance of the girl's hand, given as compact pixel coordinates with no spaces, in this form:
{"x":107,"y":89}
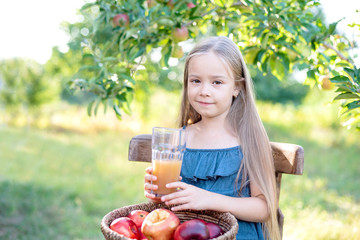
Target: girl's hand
{"x":149,"y":187}
{"x":188,"y":197}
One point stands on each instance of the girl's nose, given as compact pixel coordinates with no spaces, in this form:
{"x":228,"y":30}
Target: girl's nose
{"x":204,"y":90}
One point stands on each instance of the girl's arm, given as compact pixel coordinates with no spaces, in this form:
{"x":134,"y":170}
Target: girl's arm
{"x":250,"y":209}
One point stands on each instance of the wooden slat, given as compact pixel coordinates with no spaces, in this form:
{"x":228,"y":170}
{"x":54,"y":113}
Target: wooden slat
{"x":288,"y":158}
{"x":280,"y":217}
{"x":140,"y":148}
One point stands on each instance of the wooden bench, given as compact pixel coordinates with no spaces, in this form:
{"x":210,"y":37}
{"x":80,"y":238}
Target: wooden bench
{"x":288,"y":158}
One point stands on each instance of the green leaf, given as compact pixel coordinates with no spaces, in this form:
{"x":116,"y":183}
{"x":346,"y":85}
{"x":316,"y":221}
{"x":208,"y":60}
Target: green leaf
{"x":166,"y":53}
{"x":138,"y":53}
{"x":279,"y":70}
{"x":285,"y":60}
{"x":110,"y":59}
{"x":344,"y":88}
{"x":117,"y":111}
{"x":87,"y":5}
{"x":97,"y":106}
{"x":126,"y":108}
{"x":353,"y":105}
{"x":332,"y":27}
{"x":346,"y":96}
{"x":121,"y":97}
{"x":265,"y":64}
{"x":166,"y":21}
{"x":342,"y":63}
{"x":105,"y":103}
{"x":339,"y":79}
{"x":87,"y":55}
{"x":89,"y":108}
{"x":264,"y":41}
{"x":128,"y":77}
{"x":90,"y":68}
{"x":350,"y":72}
{"x":311,"y":74}
{"x":259,"y":56}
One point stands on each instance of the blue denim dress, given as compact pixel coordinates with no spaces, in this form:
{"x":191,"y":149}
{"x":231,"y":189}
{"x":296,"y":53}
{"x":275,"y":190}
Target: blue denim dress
{"x":215,"y":170}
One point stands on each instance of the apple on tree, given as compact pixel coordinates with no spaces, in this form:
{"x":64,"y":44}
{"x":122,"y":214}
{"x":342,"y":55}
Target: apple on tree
{"x":190,"y":5}
{"x":126,"y":227}
{"x":170,"y":4}
{"x":160,"y":224}
{"x":177,"y":52}
{"x":326,"y":84}
{"x":121,"y":20}
{"x":180,"y":34}
{"x":151,"y":3}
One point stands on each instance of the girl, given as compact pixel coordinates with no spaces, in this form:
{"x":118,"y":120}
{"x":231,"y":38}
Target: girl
{"x":227,"y":165}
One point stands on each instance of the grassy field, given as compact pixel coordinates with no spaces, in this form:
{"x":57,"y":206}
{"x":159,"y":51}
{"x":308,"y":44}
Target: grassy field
{"x":57,"y":181}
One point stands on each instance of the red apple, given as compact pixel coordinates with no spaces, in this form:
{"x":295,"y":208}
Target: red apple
{"x":192,"y":229}
{"x":160,"y":224}
{"x":141,"y":235}
{"x":121,"y":20}
{"x":151,"y":3}
{"x":137,"y":216}
{"x":125,"y":226}
{"x":177,"y":52}
{"x":180,"y":34}
{"x":214,"y":230}
{"x":201,"y":220}
{"x":190,"y":5}
{"x":170,"y":4}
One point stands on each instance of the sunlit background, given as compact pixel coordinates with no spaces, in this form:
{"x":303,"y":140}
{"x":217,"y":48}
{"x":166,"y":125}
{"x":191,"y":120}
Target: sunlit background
{"x":31,"y":28}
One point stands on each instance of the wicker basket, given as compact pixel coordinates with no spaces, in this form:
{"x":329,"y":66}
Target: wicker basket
{"x":226,"y":221}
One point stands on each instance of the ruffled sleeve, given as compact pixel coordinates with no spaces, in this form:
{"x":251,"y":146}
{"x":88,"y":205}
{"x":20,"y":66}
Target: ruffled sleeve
{"x":210,"y":164}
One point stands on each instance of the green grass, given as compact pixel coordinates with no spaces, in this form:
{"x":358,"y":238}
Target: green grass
{"x":58,"y":182}
{"x":58,"y":185}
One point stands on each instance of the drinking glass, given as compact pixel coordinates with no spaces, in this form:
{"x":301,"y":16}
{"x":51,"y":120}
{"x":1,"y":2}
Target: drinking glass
{"x":168,"y":146}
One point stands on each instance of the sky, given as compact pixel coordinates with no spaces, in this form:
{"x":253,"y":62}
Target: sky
{"x":30,"y":29}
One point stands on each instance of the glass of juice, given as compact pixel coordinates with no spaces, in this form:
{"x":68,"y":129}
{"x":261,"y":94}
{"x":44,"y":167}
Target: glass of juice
{"x":168,"y":146}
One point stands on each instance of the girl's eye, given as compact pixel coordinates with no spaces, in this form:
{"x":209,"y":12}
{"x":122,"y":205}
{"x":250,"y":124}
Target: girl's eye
{"x":195,"y":81}
{"x":217,"y":82}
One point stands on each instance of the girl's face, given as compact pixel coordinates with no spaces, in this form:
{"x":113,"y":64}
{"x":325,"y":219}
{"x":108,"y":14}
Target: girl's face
{"x":211,"y":85}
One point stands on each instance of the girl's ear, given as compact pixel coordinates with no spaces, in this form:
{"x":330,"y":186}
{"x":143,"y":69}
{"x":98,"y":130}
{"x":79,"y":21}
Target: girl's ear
{"x":236,"y":92}
{"x":239,"y":86}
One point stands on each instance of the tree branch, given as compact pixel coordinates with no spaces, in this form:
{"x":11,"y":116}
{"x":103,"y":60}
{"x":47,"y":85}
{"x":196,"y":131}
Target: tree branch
{"x":340,"y":55}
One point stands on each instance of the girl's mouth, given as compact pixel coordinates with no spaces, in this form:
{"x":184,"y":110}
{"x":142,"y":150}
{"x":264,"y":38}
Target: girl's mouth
{"x":204,"y":103}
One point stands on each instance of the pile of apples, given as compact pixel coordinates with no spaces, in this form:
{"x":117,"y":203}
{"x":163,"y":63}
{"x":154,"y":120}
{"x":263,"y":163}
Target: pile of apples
{"x":163,"y":224}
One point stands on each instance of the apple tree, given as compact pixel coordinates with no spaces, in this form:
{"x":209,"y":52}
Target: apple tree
{"x":118,"y":39}
{"x":24,"y":85}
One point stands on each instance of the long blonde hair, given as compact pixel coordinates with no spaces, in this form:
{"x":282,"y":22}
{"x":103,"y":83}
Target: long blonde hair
{"x":257,"y":164}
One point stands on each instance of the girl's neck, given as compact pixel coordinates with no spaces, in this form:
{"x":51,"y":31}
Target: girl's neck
{"x":218,"y":124}
{"x":207,"y":125}
{"x":211,"y":133}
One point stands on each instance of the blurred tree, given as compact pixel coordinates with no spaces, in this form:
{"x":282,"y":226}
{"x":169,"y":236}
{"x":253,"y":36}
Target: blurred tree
{"x":62,"y":67}
{"x":23,"y":84}
{"x":119,"y":37}
{"x":348,"y":87}
{"x":347,"y":80}
{"x":269,"y":88}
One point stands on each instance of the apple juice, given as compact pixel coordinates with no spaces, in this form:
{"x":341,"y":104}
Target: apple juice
{"x":166,"y":171}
